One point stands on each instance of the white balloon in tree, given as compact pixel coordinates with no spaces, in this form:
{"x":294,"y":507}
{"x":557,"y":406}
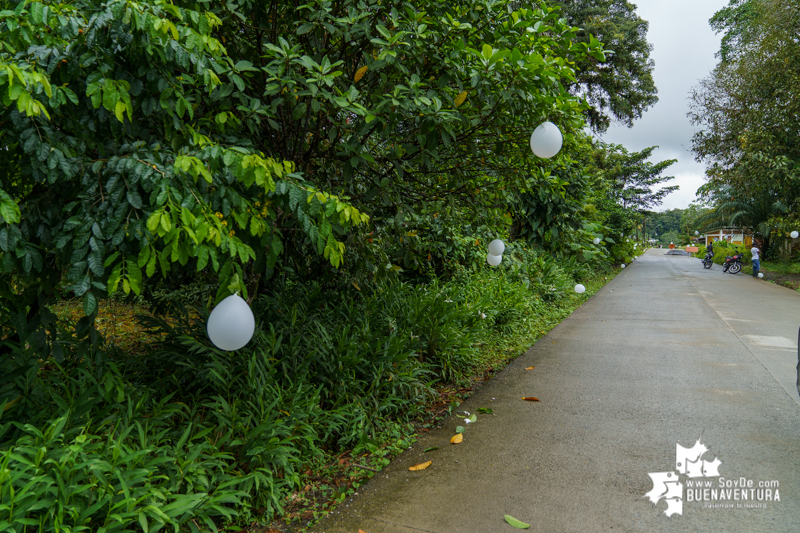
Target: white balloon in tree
{"x":596,"y":240}
{"x":696,"y":232}
{"x":497,"y":247}
{"x":493,"y":260}
{"x":580,"y":289}
{"x":231,"y":324}
{"x":546,"y":140}
{"x":794,"y":234}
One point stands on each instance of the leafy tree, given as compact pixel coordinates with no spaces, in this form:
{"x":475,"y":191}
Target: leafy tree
{"x":745,"y":109}
{"x":144,"y":138}
{"x":632,"y":177}
{"x":619,"y":87}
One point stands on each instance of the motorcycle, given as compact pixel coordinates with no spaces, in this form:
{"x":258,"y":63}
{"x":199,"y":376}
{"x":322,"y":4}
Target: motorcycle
{"x":707,"y":261}
{"x":733,"y":264}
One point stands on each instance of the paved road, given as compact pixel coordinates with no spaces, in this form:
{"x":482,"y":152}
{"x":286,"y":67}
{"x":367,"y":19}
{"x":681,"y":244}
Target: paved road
{"x":665,"y":354}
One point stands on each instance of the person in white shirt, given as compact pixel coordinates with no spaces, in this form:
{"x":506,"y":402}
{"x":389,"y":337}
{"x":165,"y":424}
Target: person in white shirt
{"x":756,"y":261}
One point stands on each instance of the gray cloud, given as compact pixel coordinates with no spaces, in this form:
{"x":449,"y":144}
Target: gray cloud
{"x":683,"y":50}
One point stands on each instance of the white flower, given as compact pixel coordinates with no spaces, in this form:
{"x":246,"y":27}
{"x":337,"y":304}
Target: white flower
{"x":449,"y":301}
{"x":467,"y":420}
{"x":483,"y":315}
{"x":466,"y":413}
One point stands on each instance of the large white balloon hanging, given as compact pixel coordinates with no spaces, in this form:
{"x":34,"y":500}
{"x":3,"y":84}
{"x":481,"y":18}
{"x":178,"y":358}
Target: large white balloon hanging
{"x":493,"y":260}
{"x":231,"y":324}
{"x":497,"y":247}
{"x":794,"y":234}
{"x":546,"y":140}
{"x":596,"y":240}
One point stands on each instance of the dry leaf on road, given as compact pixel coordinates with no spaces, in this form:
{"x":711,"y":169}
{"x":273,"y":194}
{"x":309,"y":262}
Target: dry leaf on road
{"x":530,"y":399}
{"x":455,"y":439}
{"x":421,"y":466}
{"x":529,"y":368}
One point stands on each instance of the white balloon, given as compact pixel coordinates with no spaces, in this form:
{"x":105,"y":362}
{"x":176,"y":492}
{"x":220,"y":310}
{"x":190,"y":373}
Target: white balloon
{"x":760,"y":274}
{"x":794,"y":234}
{"x":493,"y":260}
{"x":546,"y":140}
{"x":496,"y":247}
{"x":231,"y":324}
{"x":623,"y":265}
{"x":580,"y":289}
{"x":697,"y":232}
{"x":627,"y":240}
{"x":596,"y":240}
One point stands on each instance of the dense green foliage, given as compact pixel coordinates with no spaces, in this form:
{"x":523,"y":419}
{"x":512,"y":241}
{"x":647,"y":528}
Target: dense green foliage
{"x":189,"y":436}
{"x":747,"y":114}
{"x":344,"y":167}
{"x":621,"y":87}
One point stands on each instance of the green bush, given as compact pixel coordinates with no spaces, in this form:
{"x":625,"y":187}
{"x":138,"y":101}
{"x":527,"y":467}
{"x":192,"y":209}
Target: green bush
{"x":187,"y":436}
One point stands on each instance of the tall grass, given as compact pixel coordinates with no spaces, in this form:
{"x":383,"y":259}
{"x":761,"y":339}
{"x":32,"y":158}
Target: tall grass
{"x":188,"y":436}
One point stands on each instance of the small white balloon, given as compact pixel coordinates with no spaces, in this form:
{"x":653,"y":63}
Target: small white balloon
{"x":546,"y":140}
{"x":697,"y":233}
{"x":623,"y":265}
{"x":760,"y":275}
{"x":580,"y":289}
{"x":497,"y":247}
{"x":794,"y":234}
{"x":231,"y":324}
{"x":493,"y":260}
{"x":596,"y":240}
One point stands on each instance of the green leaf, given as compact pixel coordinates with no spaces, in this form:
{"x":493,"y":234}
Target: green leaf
{"x":516,"y":523}
{"x":430,"y":449}
{"x":473,"y":417}
{"x":89,"y":303}
{"x":36,"y":11}
{"x":134,"y":199}
{"x":460,"y":429}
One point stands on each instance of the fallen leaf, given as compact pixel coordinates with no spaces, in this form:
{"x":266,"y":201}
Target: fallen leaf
{"x":460,"y":429}
{"x":529,"y":368}
{"x":361,"y":531}
{"x":530,"y":399}
{"x":421,"y":466}
{"x":485,"y":410}
{"x":473,"y":418}
{"x":455,"y":439}
{"x":516,"y":523}
{"x":430,"y":449}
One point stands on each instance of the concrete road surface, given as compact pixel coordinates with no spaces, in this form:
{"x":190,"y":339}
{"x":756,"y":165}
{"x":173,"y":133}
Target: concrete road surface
{"x":665,"y":354}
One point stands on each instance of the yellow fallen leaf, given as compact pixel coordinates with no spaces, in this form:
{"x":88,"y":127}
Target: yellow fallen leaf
{"x":530,"y":399}
{"x":455,"y":439}
{"x":421,"y":466}
{"x":361,"y":531}
{"x":529,"y":368}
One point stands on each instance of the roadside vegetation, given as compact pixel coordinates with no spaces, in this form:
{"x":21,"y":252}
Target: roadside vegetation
{"x":747,"y":132}
{"x":342,"y":167}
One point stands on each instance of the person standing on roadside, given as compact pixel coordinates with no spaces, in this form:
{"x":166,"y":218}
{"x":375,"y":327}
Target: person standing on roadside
{"x":755,"y":251}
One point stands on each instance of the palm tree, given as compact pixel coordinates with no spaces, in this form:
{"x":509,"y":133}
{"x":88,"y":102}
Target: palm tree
{"x":751,"y":213}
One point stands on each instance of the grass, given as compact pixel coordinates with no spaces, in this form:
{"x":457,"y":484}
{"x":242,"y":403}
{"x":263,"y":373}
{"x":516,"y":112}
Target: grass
{"x":330,"y":464}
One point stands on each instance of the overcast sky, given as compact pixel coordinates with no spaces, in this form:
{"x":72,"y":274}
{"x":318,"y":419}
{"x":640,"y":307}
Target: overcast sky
{"x":683,"y":50}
